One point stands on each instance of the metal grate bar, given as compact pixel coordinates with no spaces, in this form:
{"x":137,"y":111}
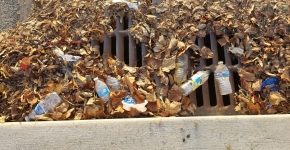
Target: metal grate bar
{"x":132,"y":48}
{"x":119,"y":40}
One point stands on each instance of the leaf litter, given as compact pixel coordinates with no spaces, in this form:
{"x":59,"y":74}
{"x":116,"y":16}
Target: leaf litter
{"x":256,"y":32}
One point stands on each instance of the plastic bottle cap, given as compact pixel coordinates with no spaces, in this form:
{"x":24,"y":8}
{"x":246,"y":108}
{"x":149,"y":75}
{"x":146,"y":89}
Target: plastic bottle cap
{"x":96,"y":78}
{"x":220,"y":62}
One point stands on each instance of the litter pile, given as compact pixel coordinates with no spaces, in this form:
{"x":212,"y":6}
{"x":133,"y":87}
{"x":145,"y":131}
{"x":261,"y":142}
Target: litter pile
{"x":54,"y":53}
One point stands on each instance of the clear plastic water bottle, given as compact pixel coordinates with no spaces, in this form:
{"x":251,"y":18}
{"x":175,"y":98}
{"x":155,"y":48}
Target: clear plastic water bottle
{"x":113,"y":82}
{"x":49,"y":102}
{"x":102,"y":89}
{"x":194,"y":82}
{"x":181,"y":69}
{"x":222,"y":75}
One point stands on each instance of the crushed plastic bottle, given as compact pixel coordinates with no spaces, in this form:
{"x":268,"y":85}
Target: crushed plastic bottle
{"x":194,"y":82}
{"x":102,"y":89}
{"x":49,"y":102}
{"x":181,"y":69}
{"x":113,"y":82}
{"x":129,"y":103}
{"x":222,"y":75}
{"x":272,"y":82}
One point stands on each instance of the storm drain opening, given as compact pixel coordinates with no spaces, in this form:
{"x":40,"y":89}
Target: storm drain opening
{"x":206,"y":97}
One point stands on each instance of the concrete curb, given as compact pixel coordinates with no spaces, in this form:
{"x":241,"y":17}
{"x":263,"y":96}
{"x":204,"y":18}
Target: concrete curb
{"x":211,"y":132}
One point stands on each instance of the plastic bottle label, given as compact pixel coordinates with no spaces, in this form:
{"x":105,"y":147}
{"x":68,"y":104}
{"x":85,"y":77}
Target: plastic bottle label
{"x":102,"y":92}
{"x":222,"y":74}
{"x":38,"y":110}
{"x":196,"y":83}
{"x":129,"y":100}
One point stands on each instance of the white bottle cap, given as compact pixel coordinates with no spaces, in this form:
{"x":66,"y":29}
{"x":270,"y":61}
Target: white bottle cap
{"x":96,"y":78}
{"x":220,"y":62}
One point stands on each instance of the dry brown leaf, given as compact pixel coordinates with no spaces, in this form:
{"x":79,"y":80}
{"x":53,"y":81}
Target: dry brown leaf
{"x":206,"y":53}
{"x":237,"y":51}
{"x":152,"y":106}
{"x":57,"y":115}
{"x":78,"y":114}
{"x":151,"y":97}
{"x":43,"y":118}
{"x":285,"y":76}
{"x":133,"y":112}
{"x":130,"y":69}
{"x":185,"y":101}
{"x":90,"y":112}
{"x":68,"y":113}
{"x":116,"y":97}
{"x":222,"y":41}
{"x":174,"y":94}
{"x":275,"y":98}
{"x":253,"y":109}
{"x":168,"y":64}
{"x":246,"y":75}
{"x":172,"y":108}
{"x":119,"y":109}
{"x":63,"y":107}
{"x":191,"y":108}
{"x":272,"y":111}
{"x":256,"y":86}
{"x":2,"y":119}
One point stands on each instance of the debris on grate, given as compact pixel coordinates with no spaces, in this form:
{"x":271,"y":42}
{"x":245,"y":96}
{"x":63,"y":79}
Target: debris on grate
{"x":151,"y":51}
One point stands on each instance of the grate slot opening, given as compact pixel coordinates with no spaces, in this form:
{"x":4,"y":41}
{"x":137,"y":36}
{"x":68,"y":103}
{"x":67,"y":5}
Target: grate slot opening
{"x":234,"y":59}
{"x":113,"y":46}
{"x":126,"y":23}
{"x":226,"y":100}
{"x":199,"y":97}
{"x":101,"y":44}
{"x":207,"y":42}
{"x":236,"y":78}
{"x":221,"y":54}
{"x":211,"y":90}
{"x":139,"y":54}
{"x":126,"y":50}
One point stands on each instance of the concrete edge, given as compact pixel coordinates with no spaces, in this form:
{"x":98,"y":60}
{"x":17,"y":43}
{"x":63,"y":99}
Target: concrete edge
{"x":210,"y":132}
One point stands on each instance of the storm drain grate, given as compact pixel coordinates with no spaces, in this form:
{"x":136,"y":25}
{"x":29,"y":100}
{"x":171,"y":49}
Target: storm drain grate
{"x":207,"y":97}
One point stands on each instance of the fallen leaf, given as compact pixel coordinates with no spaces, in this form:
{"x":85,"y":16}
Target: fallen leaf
{"x":172,"y":108}
{"x":152,"y":106}
{"x":275,"y":98}
{"x":248,"y":76}
{"x":206,"y":53}
{"x":63,"y":107}
{"x":168,"y":64}
{"x":174,"y":94}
